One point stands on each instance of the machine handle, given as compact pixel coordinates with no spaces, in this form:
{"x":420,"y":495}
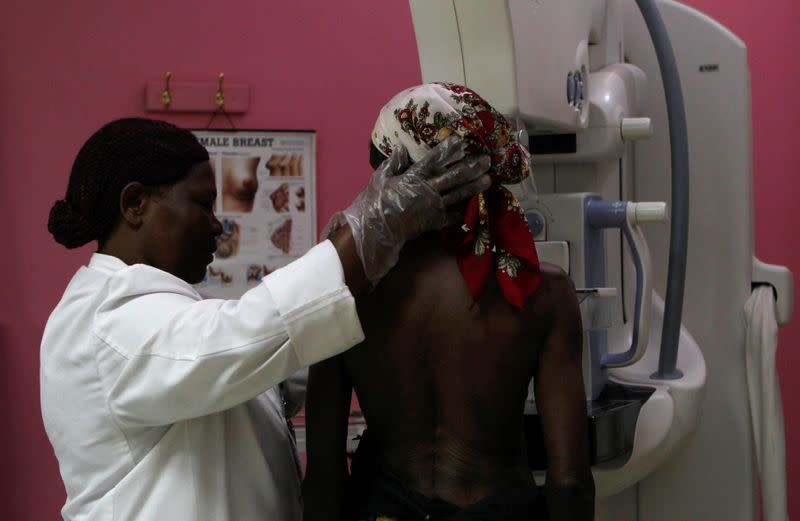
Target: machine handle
{"x":627,"y":216}
{"x":633,"y":129}
{"x":648,"y":212}
{"x":780,"y":278}
{"x":644,"y":287}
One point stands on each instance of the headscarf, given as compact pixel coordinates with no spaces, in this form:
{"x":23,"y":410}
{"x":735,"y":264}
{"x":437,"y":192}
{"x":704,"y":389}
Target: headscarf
{"x":494,"y":236}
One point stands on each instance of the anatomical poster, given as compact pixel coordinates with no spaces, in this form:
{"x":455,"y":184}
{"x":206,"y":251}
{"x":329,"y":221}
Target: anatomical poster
{"x":265,"y":202}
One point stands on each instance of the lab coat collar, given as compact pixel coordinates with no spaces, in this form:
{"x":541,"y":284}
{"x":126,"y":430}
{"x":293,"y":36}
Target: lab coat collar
{"x":106,"y":263}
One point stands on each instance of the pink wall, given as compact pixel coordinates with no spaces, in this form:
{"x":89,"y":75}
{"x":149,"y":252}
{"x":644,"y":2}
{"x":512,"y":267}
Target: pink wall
{"x":68,"y":68}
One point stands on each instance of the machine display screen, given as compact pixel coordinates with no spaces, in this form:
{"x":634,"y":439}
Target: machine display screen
{"x":545,"y":144}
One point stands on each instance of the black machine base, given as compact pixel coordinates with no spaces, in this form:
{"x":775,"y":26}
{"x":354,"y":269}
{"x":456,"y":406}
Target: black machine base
{"x":611,"y":425}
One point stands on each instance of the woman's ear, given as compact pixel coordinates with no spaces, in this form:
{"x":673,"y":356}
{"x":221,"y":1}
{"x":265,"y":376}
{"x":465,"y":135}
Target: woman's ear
{"x":133,"y":201}
{"x":376,"y":157}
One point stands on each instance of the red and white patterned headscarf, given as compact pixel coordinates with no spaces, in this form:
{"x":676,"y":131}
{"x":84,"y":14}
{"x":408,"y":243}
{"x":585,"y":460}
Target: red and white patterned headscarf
{"x":495,"y":236}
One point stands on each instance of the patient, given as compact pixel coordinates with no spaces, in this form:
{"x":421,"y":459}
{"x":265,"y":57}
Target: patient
{"x":454,"y":333}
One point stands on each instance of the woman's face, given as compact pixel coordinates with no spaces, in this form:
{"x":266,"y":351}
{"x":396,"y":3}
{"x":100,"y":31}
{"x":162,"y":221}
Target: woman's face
{"x":180,"y":227}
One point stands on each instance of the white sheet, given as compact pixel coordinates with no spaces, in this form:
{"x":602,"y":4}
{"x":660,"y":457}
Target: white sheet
{"x":766,"y":412}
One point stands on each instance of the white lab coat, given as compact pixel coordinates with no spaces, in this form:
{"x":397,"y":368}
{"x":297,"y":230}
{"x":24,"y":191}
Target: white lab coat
{"x":161,"y":405}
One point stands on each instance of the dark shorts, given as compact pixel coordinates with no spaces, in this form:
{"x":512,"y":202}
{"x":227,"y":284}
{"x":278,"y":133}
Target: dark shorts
{"x":373,"y":492}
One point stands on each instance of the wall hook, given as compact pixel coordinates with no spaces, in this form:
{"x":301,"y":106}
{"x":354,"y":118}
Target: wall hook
{"x":219,"y":97}
{"x":166,"y":94}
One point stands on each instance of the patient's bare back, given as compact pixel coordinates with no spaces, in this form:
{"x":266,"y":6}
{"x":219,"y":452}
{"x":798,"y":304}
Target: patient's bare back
{"x":442,"y":382}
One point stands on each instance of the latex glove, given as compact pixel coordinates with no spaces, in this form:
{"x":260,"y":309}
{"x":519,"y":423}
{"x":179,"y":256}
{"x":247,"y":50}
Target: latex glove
{"x":401,"y":202}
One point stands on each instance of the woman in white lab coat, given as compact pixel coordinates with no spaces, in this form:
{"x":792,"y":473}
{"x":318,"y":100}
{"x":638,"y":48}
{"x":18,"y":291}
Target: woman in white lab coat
{"x":154,"y":398}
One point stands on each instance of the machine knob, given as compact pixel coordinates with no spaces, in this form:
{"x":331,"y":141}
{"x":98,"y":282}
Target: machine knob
{"x":536,"y":224}
{"x":522,"y":138}
{"x":636,"y":128}
{"x":648,"y":212}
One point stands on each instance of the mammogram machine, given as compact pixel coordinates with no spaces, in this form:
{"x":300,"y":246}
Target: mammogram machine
{"x":637,"y":113}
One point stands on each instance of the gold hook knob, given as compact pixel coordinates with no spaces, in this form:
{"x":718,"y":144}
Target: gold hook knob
{"x":219,"y":97}
{"x":166,"y":95}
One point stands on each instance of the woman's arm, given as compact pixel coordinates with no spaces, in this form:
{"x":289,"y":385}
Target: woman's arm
{"x":327,"y":413}
{"x":165,"y":355}
{"x":561,"y":402}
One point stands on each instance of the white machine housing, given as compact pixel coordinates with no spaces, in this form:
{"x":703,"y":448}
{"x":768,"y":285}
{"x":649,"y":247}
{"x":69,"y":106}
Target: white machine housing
{"x":586,"y":71}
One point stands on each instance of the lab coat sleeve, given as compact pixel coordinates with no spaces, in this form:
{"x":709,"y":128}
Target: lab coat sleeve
{"x":164,"y":354}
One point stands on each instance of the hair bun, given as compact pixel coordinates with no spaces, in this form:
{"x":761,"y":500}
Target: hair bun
{"x":68,"y":226}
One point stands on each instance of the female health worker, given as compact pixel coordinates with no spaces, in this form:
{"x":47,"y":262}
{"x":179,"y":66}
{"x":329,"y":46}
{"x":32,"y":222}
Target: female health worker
{"x":153,"y":398}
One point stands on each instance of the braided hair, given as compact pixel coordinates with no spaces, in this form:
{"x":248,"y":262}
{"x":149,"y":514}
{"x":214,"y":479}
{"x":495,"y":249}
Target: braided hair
{"x":154,"y":153}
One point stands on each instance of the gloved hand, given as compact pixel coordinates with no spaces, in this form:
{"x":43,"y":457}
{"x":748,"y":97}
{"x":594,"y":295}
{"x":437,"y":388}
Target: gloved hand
{"x":404,"y":201}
